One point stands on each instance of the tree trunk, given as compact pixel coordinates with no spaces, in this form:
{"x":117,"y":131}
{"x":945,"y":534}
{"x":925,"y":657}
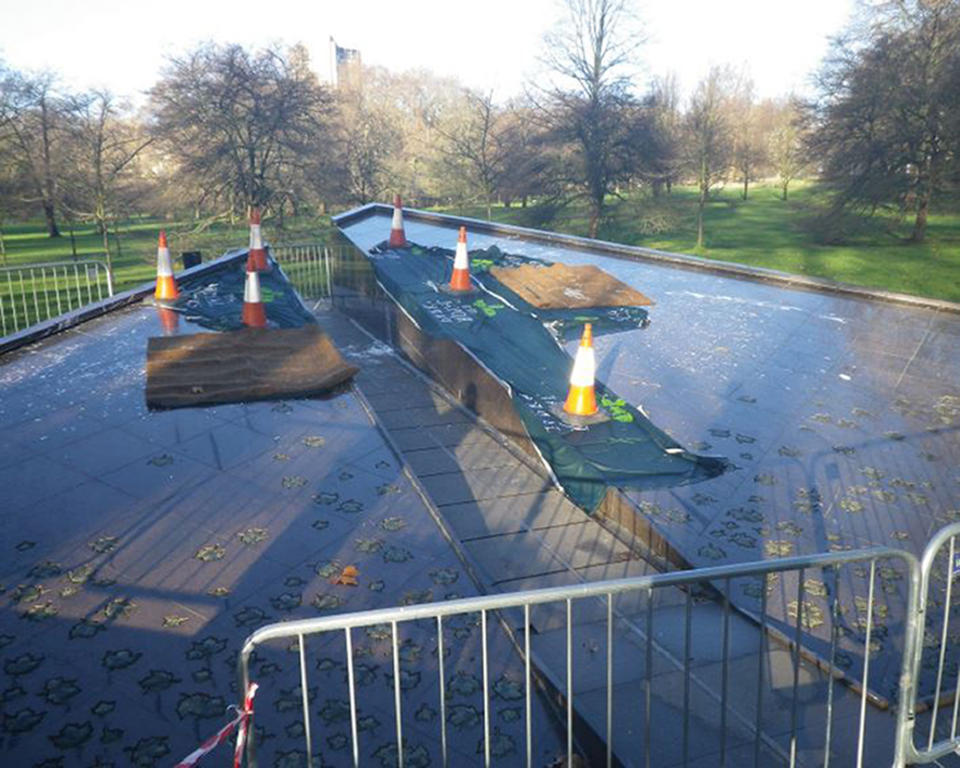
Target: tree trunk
{"x":784,"y":188}
{"x":920,"y":222}
{"x":745,"y":183}
{"x":700,"y":205}
{"x":116,"y":238}
{"x":594,"y":222}
{"x":106,"y":245}
{"x":702,"y":200}
{"x":48,"y":213}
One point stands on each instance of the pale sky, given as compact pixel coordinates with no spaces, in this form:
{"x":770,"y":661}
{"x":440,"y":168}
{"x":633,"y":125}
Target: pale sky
{"x":487,"y":44}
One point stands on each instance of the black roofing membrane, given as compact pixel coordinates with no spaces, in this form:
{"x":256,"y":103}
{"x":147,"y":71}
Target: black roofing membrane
{"x":138,"y":549}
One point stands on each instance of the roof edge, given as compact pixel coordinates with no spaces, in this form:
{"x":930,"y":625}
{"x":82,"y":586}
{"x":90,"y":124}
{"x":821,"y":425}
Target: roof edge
{"x":640,"y":253}
{"x":54,"y":325}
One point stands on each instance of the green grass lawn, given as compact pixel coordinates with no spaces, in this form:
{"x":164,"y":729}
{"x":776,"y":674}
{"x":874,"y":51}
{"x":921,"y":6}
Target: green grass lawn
{"x":763,"y":231}
{"x":134,"y":258}
{"x":791,"y":236}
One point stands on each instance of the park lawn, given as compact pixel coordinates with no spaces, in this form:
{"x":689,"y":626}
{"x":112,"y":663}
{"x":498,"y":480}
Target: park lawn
{"x":135,"y":258}
{"x":23,"y":301}
{"x":765,"y":231}
{"x":762,"y":231}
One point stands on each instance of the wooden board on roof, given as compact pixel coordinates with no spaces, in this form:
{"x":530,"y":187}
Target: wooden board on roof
{"x":561,"y":286}
{"x":207,"y":368}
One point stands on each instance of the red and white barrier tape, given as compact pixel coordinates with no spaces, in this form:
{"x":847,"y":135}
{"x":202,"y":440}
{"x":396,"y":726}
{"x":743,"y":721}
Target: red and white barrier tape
{"x":242,"y":719}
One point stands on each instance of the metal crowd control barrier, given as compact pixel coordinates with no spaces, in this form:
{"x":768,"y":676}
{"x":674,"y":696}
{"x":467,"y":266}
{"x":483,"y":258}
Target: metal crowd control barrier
{"x":933,"y":744}
{"x":717,"y":578}
{"x":309,"y":266}
{"x":32,"y":293}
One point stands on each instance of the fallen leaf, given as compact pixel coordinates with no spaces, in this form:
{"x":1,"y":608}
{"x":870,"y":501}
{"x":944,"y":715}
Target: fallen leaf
{"x":347,"y":577}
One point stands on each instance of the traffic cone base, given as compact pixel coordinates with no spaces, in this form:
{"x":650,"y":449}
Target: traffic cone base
{"x":166,"y":289}
{"x":254,"y":315}
{"x":398,"y":238}
{"x":581,"y":401}
{"x":575,"y":420}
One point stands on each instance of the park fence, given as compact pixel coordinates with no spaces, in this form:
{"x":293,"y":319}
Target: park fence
{"x":730,"y":702}
{"x":32,"y":293}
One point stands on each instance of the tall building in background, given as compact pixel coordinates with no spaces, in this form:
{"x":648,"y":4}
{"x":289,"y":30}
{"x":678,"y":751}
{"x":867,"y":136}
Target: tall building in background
{"x":346,"y":71}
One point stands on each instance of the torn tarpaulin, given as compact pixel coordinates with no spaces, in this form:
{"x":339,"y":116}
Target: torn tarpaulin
{"x":518,"y":343}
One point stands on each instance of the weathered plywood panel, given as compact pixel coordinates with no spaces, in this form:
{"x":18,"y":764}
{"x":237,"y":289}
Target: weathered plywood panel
{"x":561,"y":286}
{"x":207,"y":368}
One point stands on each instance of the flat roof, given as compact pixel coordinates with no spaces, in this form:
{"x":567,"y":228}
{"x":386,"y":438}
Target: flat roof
{"x":840,"y":413}
{"x":139,"y":550}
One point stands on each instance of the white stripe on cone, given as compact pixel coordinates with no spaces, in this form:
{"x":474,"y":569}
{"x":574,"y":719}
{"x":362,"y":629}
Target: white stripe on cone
{"x":397,"y":219}
{"x":251,"y":289}
{"x":256,"y":240}
{"x":584,"y":368}
{"x":460,"y":260}
{"x":164,"y":265}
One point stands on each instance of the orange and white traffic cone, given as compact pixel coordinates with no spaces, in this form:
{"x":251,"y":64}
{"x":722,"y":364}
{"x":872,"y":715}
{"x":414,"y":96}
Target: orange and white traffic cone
{"x":166,"y":284}
{"x":257,"y":258}
{"x":460,"y":279}
{"x":254,"y":313}
{"x":397,"y":237}
{"x":582,"y":398}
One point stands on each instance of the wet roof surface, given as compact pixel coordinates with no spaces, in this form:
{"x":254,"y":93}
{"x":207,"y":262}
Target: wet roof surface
{"x":841,"y":415}
{"x":140,"y":548}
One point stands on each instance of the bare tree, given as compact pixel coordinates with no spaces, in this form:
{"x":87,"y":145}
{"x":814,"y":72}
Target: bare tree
{"x":529,"y":161}
{"x":785,"y":143}
{"x":33,"y":119}
{"x":886,"y":123}
{"x":370,"y":139}
{"x":106,"y":142}
{"x":242,"y":124}
{"x":473,"y":145}
{"x":591,"y":55}
{"x":749,"y":148}
{"x":708,"y":140}
{"x":665,"y":157}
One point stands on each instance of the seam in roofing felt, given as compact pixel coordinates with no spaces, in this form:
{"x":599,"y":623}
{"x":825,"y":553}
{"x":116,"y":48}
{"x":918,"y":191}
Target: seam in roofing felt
{"x":639,"y":253}
{"x":55,"y":325}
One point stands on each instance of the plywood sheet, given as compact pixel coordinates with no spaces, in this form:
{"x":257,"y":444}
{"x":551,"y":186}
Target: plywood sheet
{"x":561,"y":286}
{"x":207,"y":368}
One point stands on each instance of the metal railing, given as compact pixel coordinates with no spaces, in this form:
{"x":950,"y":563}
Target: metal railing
{"x":32,"y":293}
{"x":929,"y":643}
{"x":716,"y":581}
{"x":309,"y":266}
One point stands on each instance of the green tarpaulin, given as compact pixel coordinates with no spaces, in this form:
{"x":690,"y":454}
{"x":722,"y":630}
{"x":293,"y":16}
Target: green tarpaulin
{"x":515,"y":341}
{"x":521,"y":345}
